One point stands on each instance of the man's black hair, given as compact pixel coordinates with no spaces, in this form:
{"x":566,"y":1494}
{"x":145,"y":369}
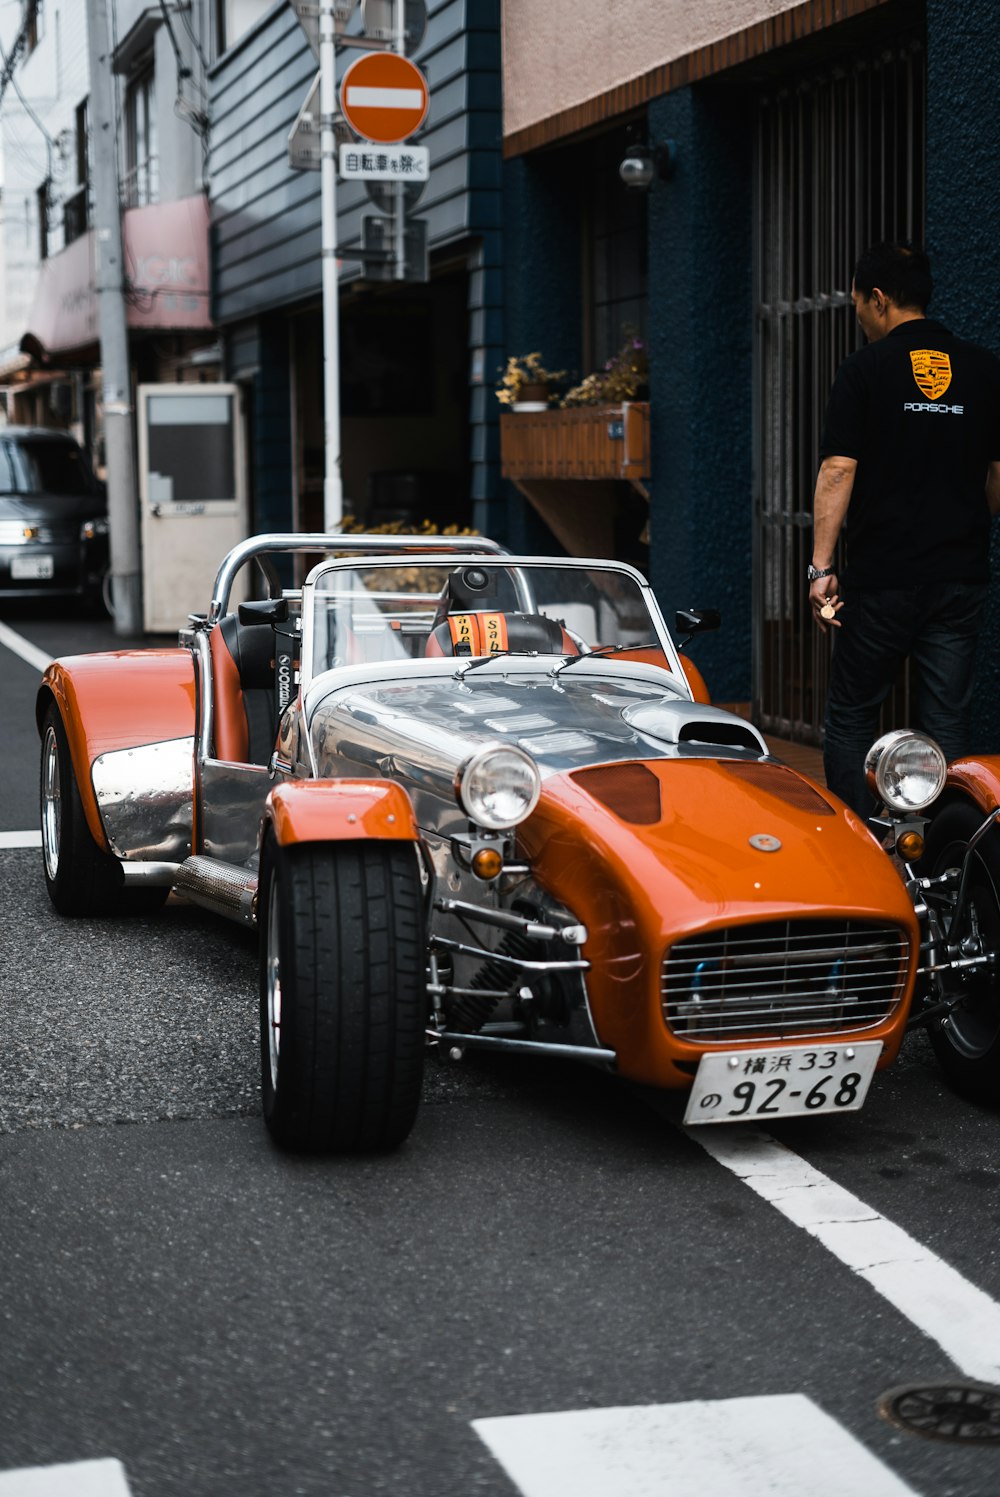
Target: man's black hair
{"x":902,"y":271}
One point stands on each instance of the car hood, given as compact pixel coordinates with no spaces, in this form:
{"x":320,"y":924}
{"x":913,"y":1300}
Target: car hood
{"x":676,"y":803}
{"x":422,"y":728}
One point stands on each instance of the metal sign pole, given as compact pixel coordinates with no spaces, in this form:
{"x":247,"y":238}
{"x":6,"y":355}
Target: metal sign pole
{"x":333,"y":492}
{"x":399,"y":206}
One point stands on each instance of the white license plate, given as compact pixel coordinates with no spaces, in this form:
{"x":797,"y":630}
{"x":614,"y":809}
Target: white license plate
{"x":744,"y":1086}
{"x":31,"y":568}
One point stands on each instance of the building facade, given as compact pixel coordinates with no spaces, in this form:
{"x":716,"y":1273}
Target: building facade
{"x":417,"y":431}
{"x":781,"y":138}
{"x":158,"y":58}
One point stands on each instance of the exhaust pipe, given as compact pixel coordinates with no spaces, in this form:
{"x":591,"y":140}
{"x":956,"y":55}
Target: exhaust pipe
{"x":227,"y":889}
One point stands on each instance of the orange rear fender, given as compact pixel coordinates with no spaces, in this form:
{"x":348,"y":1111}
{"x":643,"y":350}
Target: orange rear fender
{"x":340,"y":811}
{"x":119,"y":699}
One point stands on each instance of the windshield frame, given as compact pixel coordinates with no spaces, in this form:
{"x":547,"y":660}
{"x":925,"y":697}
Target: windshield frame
{"x":323,"y":569}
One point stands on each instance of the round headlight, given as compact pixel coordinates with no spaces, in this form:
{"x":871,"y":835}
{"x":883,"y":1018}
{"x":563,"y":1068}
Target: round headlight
{"x":498,"y":786}
{"x":905,"y":770}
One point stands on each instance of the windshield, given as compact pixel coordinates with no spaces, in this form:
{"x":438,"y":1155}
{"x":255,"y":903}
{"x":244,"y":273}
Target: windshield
{"x":422,"y":609}
{"x":37,"y":466}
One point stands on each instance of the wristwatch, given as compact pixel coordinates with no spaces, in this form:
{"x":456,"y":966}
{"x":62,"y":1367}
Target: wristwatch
{"x":813,"y":574}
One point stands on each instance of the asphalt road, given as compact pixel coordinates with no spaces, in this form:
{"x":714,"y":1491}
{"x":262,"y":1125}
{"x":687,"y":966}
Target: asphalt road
{"x":228,"y":1321}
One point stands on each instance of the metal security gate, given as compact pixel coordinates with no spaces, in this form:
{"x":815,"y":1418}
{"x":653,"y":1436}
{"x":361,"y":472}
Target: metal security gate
{"x":839,"y":165}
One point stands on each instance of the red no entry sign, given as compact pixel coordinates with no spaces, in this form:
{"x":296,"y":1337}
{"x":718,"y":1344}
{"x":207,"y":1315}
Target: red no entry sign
{"x":384,"y":97}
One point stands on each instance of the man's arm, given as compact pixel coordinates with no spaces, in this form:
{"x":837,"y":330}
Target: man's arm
{"x":993,"y":488}
{"x":834,"y":485}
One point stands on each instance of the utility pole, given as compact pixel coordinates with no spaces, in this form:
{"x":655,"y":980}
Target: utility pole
{"x":333,"y":487}
{"x":123,"y":513}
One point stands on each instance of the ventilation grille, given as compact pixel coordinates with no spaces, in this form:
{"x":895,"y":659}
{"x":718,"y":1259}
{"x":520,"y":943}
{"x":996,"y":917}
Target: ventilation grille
{"x":631,"y":791}
{"x":778,"y":780}
{"x":783,"y":980}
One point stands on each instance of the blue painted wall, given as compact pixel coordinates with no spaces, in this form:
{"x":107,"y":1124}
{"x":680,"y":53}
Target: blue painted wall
{"x":542,"y":298}
{"x":963,"y":232}
{"x":700,"y":327}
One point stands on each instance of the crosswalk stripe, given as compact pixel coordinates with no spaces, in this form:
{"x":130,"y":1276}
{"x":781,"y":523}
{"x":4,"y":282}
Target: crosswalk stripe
{"x":961,"y":1318}
{"x":779,"y":1446}
{"x":20,"y":839}
{"x":104,"y":1478}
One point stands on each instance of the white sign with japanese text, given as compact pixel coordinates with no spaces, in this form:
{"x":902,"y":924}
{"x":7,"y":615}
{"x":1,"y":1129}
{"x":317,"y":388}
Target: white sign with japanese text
{"x":374,"y":163}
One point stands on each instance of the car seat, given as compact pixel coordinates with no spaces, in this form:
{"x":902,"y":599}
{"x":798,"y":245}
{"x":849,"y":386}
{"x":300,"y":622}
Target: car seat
{"x":244,"y":694}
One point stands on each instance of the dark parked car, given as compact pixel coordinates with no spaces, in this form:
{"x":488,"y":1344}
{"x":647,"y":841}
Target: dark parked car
{"x":53,"y":517}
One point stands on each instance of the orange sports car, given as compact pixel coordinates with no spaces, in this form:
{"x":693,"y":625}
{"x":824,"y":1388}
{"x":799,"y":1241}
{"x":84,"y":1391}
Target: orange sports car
{"x":477,"y":800}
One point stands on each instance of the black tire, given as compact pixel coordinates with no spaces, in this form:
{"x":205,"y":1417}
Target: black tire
{"x":342,"y":994}
{"x":82,"y":879}
{"x":967,"y":1041}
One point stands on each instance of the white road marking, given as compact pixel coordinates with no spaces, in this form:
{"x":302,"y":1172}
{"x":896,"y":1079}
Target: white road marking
{"x":781,"y":1446}
{"x":359,"y":97}
{"x":79,"y":1479}
{"x":22,"y":647}
{"x":20,"y":839}
{"x":962,"y":1319}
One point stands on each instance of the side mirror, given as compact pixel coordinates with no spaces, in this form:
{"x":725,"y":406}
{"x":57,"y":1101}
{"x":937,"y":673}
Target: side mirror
{"x":690,"y":621}
{"x":271,"y":611}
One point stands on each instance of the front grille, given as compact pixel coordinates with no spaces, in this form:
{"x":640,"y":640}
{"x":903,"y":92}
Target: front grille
{"x":784,"y":979}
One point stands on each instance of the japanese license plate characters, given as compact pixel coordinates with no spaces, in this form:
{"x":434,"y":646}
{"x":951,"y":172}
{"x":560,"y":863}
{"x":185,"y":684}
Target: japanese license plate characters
{"x":31,"y":568}
{"x":755,"y":1085}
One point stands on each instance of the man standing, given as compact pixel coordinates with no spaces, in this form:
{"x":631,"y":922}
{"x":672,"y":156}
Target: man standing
{"x":911,"y":464}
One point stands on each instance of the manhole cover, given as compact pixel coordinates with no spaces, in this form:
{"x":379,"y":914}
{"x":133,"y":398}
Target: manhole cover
{"x":945,"y":1411}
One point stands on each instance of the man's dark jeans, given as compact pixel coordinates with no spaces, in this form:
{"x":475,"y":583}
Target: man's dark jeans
{"x":937,"y":625}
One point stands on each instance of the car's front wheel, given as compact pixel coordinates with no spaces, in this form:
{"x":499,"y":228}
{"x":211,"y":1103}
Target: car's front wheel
{"x":967,"y":1040}
{"x":342,"y":998}
{"x":82,"y":879}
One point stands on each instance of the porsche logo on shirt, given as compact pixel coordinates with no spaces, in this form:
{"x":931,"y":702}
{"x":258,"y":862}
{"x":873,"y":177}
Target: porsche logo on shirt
{"x":931,"y":370}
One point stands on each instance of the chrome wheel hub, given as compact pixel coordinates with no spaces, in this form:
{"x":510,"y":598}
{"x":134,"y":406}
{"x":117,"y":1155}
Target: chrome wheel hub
{"x":51,"y":803}
{"x":273,"y":979}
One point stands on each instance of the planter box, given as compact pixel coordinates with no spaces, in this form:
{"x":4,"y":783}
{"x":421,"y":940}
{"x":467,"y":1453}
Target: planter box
{"x":586,"y":442}
{"x":578,"y":469}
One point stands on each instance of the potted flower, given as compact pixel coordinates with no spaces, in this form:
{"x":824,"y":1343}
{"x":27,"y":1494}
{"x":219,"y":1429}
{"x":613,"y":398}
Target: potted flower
{"x":624,"y":377}
{"x":526,"y":385}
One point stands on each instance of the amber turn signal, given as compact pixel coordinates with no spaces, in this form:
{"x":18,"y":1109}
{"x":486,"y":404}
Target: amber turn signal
{"x":910,"y":846}
{"x":487,"y":863}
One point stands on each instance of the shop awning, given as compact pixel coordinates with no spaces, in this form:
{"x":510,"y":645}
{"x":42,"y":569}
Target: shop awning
{"x":167,"y":280}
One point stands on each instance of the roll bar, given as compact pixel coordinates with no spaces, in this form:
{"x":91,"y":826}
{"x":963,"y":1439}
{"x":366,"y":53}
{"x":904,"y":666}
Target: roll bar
{"x":367,"y":545}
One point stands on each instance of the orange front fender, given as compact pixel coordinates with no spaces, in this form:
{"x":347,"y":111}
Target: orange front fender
{"x":979,"y":779}
{"x":340,"y":811}
{"x":119,"y":699}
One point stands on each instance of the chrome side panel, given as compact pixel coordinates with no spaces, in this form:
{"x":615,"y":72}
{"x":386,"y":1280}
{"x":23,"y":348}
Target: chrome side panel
{"x":146,"y":799}
{"x":232,"y":802}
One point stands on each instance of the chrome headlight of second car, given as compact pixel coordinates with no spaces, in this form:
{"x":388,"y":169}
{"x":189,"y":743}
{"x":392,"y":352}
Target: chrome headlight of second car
{"x":906,"y":770}
{"x":498,"y":786}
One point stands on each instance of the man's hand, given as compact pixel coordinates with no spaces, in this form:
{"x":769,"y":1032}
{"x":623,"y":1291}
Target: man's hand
{"x":823,"y":594}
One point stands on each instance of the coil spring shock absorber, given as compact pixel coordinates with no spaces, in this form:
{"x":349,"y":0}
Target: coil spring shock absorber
{"x":471,"y":1011}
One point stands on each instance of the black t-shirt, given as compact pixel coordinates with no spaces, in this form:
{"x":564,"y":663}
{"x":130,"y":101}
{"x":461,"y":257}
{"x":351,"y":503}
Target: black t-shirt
{"x":920,"y":412}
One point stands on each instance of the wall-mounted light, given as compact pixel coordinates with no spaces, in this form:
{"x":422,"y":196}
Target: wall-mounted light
{"x":643,"y":165}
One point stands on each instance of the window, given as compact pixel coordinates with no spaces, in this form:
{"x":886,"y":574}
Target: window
{"x":43,"y":220}
{"x":76,"y":207}
{"x":32,"y":25}
{"x":233,"y":18}
{"x":141,"y":185}
{"x":615,"y":254}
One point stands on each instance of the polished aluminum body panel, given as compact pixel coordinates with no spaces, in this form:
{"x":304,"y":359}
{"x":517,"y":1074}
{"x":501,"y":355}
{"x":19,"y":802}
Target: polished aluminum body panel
{"x":146,"y":796}
{"x":232,"y":803}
